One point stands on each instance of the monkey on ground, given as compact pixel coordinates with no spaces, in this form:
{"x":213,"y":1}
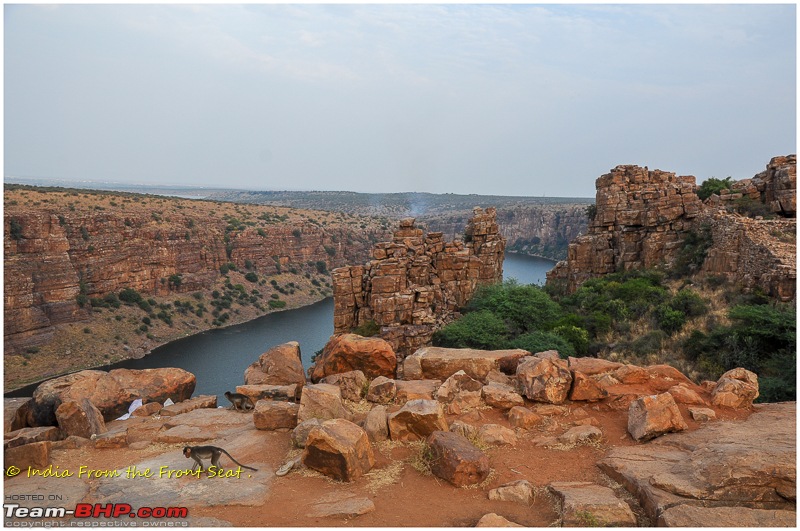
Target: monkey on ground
{"x":239,"y":401}
{"x":214,"y":452}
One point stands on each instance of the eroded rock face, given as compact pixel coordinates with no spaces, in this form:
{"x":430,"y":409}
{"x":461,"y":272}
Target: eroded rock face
{"x":272,"y":415}
{"x":110,"y":392}
{"x":414,"y":389}
{"x":585,"y":388}
{"x":736,"y":388}
{"x":322,"y":401}
{"x":382,"y":390}
{"x":730,"y":463}
{"x":544,"y":380}
{"x":339,"y":449}
{"x":501,"y":396}
{"x":456,"y":460}
{"x":416,"y":420}
{"x":417,"y":282}
{"x":352,"y":384}
{"x":350,"y":352}
{"x":589,"y":505}
{"x":280,"y":365}
{"x":651,"y":416}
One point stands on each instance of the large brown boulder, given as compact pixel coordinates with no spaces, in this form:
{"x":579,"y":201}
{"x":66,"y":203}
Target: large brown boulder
{"x":272,"y":415}
{"x":544,"y":380}
{"x":460,"y":392}
{"x":501,"y":396}
{"x":322,"y":401}
{"x":280,"y":365}
{"x":592,"y":366}
{"x":350,"y":352}
{"x":339,"y":449}
{"x":414,"y":389}
{"x":441,"y":363}
{"x":651,"y":416}
{"x":353,"y":384}
{"x":737,"y":388}
{"x":110,"y":392}
{"x":80,"y":418}
{"x":585,"y":388}
{"x":589,"y":505}
{"x":416,"y":420}
{"x":456,"y":460}
{"x":382,"y":390}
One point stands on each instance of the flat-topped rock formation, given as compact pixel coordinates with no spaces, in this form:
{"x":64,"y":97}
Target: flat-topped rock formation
{"x":417,"y":282}
{"x":643,"y":217}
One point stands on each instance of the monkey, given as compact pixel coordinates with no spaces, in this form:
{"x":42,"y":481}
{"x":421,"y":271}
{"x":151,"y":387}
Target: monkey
{"x":214,"y":452}
{"x":239,"y":401}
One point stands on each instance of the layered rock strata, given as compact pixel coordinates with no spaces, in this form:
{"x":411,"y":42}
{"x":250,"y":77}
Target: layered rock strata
{"x":416,"y":283}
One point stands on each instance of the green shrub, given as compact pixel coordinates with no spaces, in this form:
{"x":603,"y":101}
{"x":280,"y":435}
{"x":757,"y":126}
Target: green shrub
{"x":669,"y":320}
{"x":481,"y":329}
{"x":523,"y":308}
{"x":541,"y":341}
{"x":130,"y":296}
{"x":576,"y":336}
{"x":276,"y":304}
{"x":368,"y":329}
{"x":15,"y":229}
{"x":713,"y":185}
{"x":251,"y":277}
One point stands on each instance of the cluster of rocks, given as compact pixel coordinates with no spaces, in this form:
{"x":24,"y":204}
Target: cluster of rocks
{"x":417,"y":282}
{"x":643,"y":217}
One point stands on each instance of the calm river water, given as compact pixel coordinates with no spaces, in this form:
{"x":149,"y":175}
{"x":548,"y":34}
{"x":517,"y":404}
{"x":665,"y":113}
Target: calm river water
{"x":219,"y":357}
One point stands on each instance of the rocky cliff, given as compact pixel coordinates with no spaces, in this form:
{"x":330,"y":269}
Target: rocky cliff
{"x":417,"y":282}
{"x":63,"y":249}
{"x":643,"y":217}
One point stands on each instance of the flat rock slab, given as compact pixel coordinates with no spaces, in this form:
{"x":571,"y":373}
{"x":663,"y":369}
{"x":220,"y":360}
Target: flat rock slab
{"x":416,"y":389}
{"x":198,"y":402}
{"x":249,"y":489}
{"x":202,"y":425}
{"x":586,"y":504}
{"x":692,"y":516}
{"x":341,"y":505}
{"x":726,"y":463}
{"x":441,"y":363}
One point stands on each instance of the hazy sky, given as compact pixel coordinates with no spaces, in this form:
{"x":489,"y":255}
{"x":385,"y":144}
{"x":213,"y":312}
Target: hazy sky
{"x":503,"y":99}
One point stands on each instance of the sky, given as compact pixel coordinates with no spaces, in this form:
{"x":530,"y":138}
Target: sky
{"x":527,"y":100}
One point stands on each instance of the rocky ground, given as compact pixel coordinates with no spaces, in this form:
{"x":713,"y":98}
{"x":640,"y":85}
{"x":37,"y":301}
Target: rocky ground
{"x":575,"y":463}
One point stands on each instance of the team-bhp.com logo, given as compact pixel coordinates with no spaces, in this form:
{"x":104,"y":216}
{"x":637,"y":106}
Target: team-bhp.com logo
{"x":94,"y":510}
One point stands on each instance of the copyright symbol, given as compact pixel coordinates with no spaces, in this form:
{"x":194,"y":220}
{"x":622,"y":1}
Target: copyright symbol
{"x":12,"y":471}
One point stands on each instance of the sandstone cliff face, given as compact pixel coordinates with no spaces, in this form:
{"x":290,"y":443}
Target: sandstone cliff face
{"x":643,"y":217}
{"x":54,"y":253}
{"x":641,"y":220}
{"x":417,"y":282}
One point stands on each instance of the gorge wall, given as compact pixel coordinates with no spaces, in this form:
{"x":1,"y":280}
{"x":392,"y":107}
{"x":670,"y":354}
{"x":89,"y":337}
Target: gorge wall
{"x":60,"y":245}
{"x":416,"y":283}
{"x":643,"y":217}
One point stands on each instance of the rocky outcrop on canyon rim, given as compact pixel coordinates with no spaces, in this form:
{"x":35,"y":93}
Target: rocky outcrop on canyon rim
{"x":417,"y":282}
{"x":643,"y":217}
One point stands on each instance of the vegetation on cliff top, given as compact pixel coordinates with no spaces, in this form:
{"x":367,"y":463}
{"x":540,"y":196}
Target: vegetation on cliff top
{"x":641,"y":317}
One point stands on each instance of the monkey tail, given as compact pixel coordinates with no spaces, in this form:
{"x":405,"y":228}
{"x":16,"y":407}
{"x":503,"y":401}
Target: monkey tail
{"x":237,"y":462}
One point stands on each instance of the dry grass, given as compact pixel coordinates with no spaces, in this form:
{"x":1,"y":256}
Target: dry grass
{"x":421,"y":457}
{"x":383,"y":477}
{"x":358,"y":407}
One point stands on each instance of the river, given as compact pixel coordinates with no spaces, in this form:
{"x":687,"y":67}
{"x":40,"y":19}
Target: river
{"x":219,"y":357}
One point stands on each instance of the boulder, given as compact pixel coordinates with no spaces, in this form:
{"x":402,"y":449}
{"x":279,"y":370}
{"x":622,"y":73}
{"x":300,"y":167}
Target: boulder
{"x":733,"y":463}
{"x":496,"y":435}
{"x":460,"y":392}
{"x":520,"y":491}
{"x":702,"y":414}
{"x":456,"y":460}
{"x":352,"y":384}
{"x":350,"y":352}
{"x":110,"y":392}
{"x":501,"y":396}
{"x":280,"y":365}
{"x":441,"y":363}
{"x":588,"y":505}
{"x":80,"y":418}
{"x":322,"y":401}
{"x":198,"y":402}
{"x":416,"y":420}
{"x":300,"y":433}
{"x":466,"y":430}
{"x":522,"y":417}
{"x":685,"y":395}
{"x":585,"y":389}
{"x":414,"y":389}
{"x":339,"y":449}
{"x":376,"y":424}
{"x":271,"y":415}
{"x":736,"y":388}
{"x":289,"y":392}
{"x":592,"y":366}
{"x":382,"y":390}
{"x":112,"y":440}
{"x":36,"y":455}
{"x":495,"y":376}
{"x":495,"y":520}
{"x":585,"y":434}
{"x":654,"y":415}
{"x":669,"y":373}
{"x":15,"y":413}
{"x":32,"y":435}
{"x":631,"y":374}
{"x":148,"y":410}
{"x":340,"y":505}
{"x":544,"y":380}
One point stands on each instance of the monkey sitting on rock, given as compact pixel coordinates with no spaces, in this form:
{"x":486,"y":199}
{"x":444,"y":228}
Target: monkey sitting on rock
{"x":239,"y":401}
{"x":205,"y":452}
